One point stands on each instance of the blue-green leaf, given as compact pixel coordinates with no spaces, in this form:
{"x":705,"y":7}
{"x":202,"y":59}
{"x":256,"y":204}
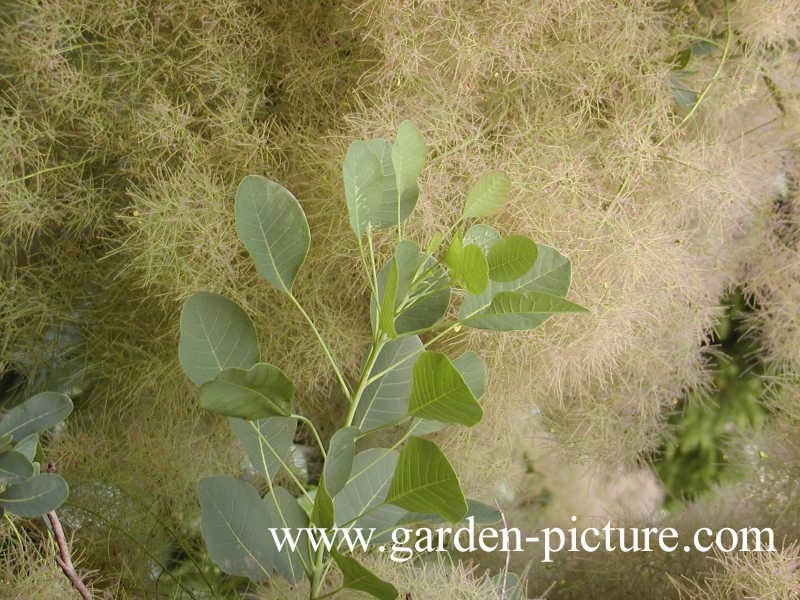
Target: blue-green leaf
{"x":482,"y":235}
{"x":234,"y":523}
{"x":482,"y":514}
{"x":215,"y":335}
{"x":283,"y":511}
{"x":384,"y":213}
{"x":386,"y":399}
{"x":339,"y":463}
{"x":363,"y":185}
{"x":272,"y":226}
{"x":27,"y":446}
{"x":14,"y":467}
{"x":35,"y":496}
{"x":408,"y":158}
{"x":35,"y":414}
{"x":366,"y":490}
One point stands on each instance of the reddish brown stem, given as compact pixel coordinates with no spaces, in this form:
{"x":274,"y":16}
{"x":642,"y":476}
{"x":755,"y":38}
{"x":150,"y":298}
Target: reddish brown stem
{"x":65,"y":561}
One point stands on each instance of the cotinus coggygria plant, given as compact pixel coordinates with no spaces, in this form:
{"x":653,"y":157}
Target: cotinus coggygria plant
{"x":501,"y":283}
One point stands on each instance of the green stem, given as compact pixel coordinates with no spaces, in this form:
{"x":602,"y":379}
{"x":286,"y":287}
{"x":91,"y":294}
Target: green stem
{"x":317,"y":574}
{"x":308,"y":422}
{"x":324,"y":346}
{"x":410,"y":302}
{"x":365,"y":379}
{"x":43,"y":171}
{"x":411,"y":355}
{"x":372,"y":259}
{"x":329,"y":594}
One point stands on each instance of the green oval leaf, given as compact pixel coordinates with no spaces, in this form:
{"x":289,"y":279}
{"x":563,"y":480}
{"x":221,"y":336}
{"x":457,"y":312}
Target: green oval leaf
{"x":14,"y":467}
{"x":36,"y":496}
{"x":473,"y":371}
{"x":261,"y":391}
{"x":35,"y":414}
{"x":514,"y":311}
{"x":385,"y":212}
{"x":234,"y":522}
{"x":27,"y":446}
{"x":356,"y":577}
{"x":511,"y":257}
{"x":363,"y":185}
{"x":424,"y":482}
{"x":474,"y":269}
{"x":467,"y":265}
{"x":454,"y":255}
{"x":439,"y":392}
{"x":272,"y":225}
{"x":488,"y":195}
{"x":283,"y":511}
{"x":215,"y":335}
{"x":359,"y":502}
{"x":339,"y":464}
{"x":386,"y":399}
{"x":408,"y":158}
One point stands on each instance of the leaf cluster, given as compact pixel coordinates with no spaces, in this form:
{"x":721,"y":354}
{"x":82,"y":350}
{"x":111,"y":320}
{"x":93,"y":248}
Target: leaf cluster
{"x":25,"y":490}
{"x":498,"y":283}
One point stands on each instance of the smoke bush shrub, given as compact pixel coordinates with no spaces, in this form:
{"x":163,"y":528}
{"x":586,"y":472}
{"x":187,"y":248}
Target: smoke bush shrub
{"x":404,"y":387}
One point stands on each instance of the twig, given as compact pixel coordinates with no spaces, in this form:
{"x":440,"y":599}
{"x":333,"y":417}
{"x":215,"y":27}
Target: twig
{"x":65,"y":561}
